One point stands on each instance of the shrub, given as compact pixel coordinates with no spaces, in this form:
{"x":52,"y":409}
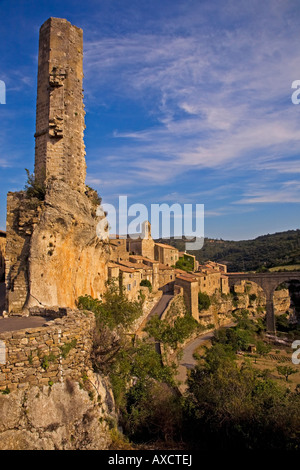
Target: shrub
{"x":146,"y":283}
{"x":185,"y":263}
{"x":33,"y":188}
{"x":204,"y":301}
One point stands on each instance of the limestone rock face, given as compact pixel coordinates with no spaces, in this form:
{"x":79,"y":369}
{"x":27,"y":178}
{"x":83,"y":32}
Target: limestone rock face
{"x":67,"y":259}
{"x":61,"y":417}
{"x":282,"y":301}
{"x":56,"y":255}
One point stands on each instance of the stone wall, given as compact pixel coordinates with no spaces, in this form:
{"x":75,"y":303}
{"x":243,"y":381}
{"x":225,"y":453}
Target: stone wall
{"x":176,"y":308}
{"x":151,"y":299}
{"x":22,"y":216}
{"x":190,"y":293}
{"x":48,"y":354}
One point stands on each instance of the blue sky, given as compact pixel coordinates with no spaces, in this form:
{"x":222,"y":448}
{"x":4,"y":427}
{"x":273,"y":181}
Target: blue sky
{"x":186,"y":101}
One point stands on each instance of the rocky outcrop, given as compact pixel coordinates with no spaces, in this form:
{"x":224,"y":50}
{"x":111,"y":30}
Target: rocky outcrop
{"x":67,"y":259}
{"x":247,"y":295}
{"x":55,"y":255}
{"x":66,"y":416}
{"x":282,"y":301}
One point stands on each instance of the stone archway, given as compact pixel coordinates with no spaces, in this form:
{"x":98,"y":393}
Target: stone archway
{"x":268,"y":282}
{"x":290,"y":300}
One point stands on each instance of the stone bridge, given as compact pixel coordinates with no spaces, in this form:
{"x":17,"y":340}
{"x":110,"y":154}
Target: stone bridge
{"x":268,"y":282}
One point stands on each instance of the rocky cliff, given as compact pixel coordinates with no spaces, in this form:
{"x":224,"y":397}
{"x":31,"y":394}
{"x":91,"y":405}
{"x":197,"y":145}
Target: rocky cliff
{"x":53,"y":252}
{"x":65,"y":416}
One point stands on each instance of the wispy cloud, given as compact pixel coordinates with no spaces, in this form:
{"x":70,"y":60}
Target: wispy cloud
{"x":217,"y":98}
{"x":287,"y":192}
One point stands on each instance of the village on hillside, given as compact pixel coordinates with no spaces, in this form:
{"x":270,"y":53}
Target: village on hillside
{"x":133,"y":261}
{"x":144,"y":262}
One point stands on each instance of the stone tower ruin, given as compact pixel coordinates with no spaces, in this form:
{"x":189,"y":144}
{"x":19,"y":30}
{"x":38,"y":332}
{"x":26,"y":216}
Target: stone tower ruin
{"x":59,"y":145}
{"x":53,"y":254}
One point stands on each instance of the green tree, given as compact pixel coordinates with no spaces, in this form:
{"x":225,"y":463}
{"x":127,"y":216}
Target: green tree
{"x":115,"y":309}
{"x":146,"y":283}
{"x":262,"y":348}
{"x":204,"y":301}
{"x":286,"y":371}
{"x":229,"y":406}
{"x":171,"y":335}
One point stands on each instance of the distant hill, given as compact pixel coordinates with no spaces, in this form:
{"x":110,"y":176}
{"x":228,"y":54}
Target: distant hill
{"x":278,"y":249}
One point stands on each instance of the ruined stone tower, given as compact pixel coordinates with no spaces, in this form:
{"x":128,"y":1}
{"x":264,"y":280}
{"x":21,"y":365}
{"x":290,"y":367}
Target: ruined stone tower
{"x":53,"y":254}
{"x":59,"y":149}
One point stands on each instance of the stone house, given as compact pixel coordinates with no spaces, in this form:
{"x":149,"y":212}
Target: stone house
{"x":128,"y":278}
{"x":166,"y":277}
{"x":190,"y":287}
{"x":118,"y":248}
{"x":207,"y":280}
{"x":166,"y":254}
{"x":142,"y":244}
{"x":150,"y":270}
{"x":216,"y":266}
{"x":212,"y":278}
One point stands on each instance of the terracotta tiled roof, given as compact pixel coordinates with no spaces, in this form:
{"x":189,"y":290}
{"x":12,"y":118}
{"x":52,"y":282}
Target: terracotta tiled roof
{"x":113,"y":265}
{"x":164,"y":266}
{"x":199,"y":274}
{"x":125,"y":269}
{"x":163,"y":245}
{"x":187,"y":279}
{"x":179,"y":271}
{"x":128,"y":264}
{"x":143,"y":258}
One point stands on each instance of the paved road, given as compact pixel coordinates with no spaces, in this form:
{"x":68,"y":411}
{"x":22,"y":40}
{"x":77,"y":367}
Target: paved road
{"x":17,"y":323}
{"x":158,"y":309}
{"x":161,"y":305}
{"x":21,"y":323}
{"x":188,"y":361}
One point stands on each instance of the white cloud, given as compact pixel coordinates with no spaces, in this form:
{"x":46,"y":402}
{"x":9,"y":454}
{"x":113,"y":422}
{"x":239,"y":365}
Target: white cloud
{"x":219,"y":96}
{"x":287,"y":192}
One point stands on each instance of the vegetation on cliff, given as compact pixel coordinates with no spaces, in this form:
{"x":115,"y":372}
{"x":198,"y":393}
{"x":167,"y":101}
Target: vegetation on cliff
{"x":33,"y":188}
{"x":134,"y":367}
{"x":230,"y":402}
